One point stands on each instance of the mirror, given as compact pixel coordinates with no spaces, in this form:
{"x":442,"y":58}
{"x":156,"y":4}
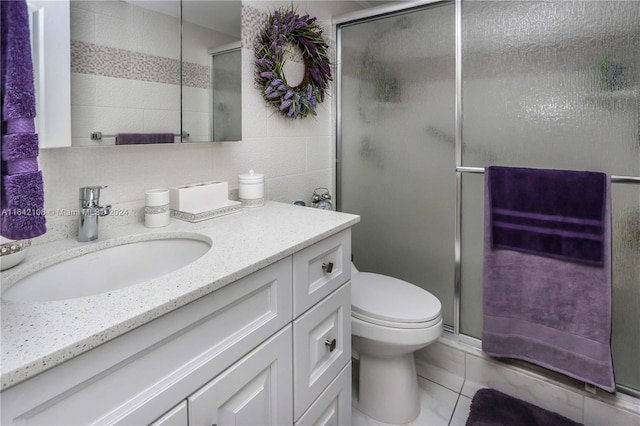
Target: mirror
{"x":226,"y":92}
{"x":211,"y":91}
{"x":132,"y":73}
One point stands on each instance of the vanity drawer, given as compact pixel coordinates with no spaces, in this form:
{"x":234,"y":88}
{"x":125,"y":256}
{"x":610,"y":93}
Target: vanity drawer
{"x":320,"y":269}
{"x":333,"y":406}
{"x":321,"y":347}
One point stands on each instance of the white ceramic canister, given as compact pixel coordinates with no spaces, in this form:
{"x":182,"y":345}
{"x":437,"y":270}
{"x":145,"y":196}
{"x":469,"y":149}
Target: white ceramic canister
{"x":156,"y":210}
{"x":251,"y":189}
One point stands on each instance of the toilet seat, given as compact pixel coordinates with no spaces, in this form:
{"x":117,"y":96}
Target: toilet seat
{"x":390,"y":302}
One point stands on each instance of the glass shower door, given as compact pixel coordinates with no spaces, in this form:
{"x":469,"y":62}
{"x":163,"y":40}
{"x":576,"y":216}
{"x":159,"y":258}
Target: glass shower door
{"x":397,"y":146}
{"x":555,"y":85}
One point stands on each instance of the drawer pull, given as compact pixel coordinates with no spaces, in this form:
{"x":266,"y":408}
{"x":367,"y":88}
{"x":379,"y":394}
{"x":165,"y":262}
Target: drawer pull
{"x":331,"y":344}
{"x":327,"y":267}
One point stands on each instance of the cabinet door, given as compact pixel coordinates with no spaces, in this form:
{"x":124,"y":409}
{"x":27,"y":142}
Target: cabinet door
{"x":322,"y":347}
{"x":175,"y":417}
{"x":257,"y":390}
{"x":333,"y":406}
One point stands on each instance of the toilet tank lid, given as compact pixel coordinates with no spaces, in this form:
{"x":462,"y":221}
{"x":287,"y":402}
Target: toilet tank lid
{"x":390,"y":299}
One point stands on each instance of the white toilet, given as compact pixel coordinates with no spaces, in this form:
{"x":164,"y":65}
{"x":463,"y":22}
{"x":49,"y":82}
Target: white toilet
{"x":390,"y":319}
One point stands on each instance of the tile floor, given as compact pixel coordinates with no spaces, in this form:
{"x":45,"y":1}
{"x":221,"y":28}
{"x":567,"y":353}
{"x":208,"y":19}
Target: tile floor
{"x":439,"y":407}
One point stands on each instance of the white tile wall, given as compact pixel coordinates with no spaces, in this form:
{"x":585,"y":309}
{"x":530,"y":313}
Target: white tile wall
{"x":448,"y":358}
{"x":195,"y":99}
{"x":108,"y":120}
{"x":160,"y":35}
{"x":121,"y":32}
{"x":83,"y":23}
{"x":83,"y":89}
{"x":197,"y":41}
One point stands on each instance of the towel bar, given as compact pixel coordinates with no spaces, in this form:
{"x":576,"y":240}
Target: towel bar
{"x":614,"y":179}
{"x":96,"y":136}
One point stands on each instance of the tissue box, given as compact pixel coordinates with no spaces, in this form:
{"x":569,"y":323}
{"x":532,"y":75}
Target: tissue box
{"x":199,"y":197}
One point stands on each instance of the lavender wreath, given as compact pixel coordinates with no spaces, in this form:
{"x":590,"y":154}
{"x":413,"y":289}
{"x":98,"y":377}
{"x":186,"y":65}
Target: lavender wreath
{"x":286,"y":26}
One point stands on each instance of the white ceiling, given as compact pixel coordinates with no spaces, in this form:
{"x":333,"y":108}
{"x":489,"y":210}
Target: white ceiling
{"x":219,"y":15}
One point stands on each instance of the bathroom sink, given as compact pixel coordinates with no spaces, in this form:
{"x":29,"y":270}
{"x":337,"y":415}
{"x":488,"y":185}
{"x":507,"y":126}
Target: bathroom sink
{"x":105,"y":270}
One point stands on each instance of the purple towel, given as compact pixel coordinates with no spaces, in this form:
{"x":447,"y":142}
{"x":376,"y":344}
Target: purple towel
{"x":556,"y":213}
{"x":548,"y":311}
{"x":143,"y":138}
{"x":18,"y":221}
{"x":17,"y":69}
{"x":22,"y":198}
{"x":490,"y":407}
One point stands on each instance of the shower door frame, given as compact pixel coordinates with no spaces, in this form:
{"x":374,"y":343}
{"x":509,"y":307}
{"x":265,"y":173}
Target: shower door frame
{"x":384,"y":12}
{"x":387,"y":11}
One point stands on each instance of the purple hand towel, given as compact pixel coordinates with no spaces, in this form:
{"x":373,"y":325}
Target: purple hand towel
{"x":556,"y":213}
{"x":143,"y":138}
{"x":548,"y":311}
{"x":22,"y":199}
{"x":20,"y":222}
{"x":19,"y":100}
{"x":19,"y":151}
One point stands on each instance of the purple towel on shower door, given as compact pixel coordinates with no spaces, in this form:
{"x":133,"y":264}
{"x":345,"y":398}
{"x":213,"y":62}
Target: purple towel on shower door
{"x":556,"y":213}
{"x":143,"y":138}
{"x":22,"y":199}
{"x":548,"y":311}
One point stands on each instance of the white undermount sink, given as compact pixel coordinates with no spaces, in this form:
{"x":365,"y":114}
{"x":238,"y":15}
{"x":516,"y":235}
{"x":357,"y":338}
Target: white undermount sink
{"x":108,"y":269}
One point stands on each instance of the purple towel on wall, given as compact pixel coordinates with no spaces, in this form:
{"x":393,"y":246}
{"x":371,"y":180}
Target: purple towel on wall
{"x":548,"y":311}
{"x":22,"y":198}
{"x":556,"y":213}
{"x":143,"y":138}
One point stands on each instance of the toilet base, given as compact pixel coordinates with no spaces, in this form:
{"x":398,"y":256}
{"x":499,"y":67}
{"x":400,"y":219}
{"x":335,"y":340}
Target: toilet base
{"x":388,"y":388}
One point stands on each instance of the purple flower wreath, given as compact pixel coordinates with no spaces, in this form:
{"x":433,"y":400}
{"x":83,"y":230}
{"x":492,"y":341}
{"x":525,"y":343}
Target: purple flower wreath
{"x":285,"y":25}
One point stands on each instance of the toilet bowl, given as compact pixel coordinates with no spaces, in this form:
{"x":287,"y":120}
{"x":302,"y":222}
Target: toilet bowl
{"x":390,"y":319}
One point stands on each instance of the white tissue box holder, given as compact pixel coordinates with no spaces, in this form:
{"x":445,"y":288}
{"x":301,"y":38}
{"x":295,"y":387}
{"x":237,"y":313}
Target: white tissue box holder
{"x":199,"y":197}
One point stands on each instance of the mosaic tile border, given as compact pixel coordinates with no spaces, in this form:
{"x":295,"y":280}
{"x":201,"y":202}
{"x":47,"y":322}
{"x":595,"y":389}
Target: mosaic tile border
{"x":252,"y":23}
{"x":90,"y":58}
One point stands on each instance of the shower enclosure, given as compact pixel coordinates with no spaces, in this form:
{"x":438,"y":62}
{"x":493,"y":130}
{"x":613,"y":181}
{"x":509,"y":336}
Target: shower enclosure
{"x":429,"y":96}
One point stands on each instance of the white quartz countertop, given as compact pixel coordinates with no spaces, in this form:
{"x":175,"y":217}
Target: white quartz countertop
{"x":39,"y":335}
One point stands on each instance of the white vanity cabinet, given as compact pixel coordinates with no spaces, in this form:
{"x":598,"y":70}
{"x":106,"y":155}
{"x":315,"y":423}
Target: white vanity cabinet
{"x":254,"y":391}
{"x":178,"y":416}
{"x":238,"y":355}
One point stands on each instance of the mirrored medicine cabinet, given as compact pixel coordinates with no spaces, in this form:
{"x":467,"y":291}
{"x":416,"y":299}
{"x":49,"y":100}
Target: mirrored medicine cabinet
{"x":136,"y":66}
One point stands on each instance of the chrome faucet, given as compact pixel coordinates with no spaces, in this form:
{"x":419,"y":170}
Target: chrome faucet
{"x":90,"y":210}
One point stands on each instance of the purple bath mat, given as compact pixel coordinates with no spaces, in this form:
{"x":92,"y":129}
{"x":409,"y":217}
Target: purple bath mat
{"x":492,"y":408}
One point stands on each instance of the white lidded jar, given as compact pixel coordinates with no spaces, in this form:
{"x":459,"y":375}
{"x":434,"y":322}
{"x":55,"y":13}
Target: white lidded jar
{"x":251,"y":189}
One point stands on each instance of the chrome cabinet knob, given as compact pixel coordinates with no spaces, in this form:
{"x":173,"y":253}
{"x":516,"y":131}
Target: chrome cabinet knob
{"x":331,"y":344}
{"x":327,"y":267}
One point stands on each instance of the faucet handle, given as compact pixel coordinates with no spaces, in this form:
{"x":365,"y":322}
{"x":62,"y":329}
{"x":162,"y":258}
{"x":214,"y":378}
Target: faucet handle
{"x":91,"y":193}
